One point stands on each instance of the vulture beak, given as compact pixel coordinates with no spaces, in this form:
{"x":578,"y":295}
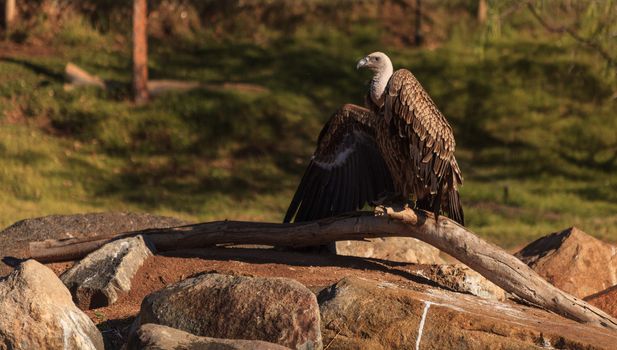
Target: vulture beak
{"x":361,"y":63}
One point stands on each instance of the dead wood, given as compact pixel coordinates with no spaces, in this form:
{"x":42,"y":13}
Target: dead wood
{"x":490,"y":261}
{"x":79,"y":77}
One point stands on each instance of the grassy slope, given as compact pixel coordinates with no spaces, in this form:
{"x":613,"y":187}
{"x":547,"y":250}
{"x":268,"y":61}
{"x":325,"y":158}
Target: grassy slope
{"x":238,"y":152}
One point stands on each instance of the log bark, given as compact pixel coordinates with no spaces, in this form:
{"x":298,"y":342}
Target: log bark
{"x":490,"y":261}
{"x":140,"y":51}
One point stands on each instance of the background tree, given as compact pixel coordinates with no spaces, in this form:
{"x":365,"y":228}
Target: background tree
{"x":10,"y":12}
{"x":140,"y":51}
{"x":482,"y":11}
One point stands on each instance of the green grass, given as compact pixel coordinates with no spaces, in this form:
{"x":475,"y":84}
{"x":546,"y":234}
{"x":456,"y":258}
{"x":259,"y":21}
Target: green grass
{"x":528,"y":116}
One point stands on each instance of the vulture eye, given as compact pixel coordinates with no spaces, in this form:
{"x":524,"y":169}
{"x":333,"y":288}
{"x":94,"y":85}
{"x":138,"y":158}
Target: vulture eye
{"x":376,"y":58}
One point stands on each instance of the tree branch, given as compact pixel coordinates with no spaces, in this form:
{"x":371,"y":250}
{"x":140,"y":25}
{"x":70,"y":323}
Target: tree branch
{"x":490,"y":261}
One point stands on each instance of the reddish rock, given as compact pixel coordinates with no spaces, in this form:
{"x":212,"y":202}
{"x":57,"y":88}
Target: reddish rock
{"x":573,"y":261}
{"x":364,"y":314}
{"x":277,"y":310}
{"x":605,"y":300}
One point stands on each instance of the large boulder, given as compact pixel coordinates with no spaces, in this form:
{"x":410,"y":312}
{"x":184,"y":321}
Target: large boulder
{"x":155,"y":337}
{"x":37,"y":312}
{"x":573,"y":261}
{"x":15,"y":238}
{"x":605,"y":300}
{"x":364,"y":314}
{"x":276,"y":310}
{"x":105,"y":274}
{"x":400,"y":249}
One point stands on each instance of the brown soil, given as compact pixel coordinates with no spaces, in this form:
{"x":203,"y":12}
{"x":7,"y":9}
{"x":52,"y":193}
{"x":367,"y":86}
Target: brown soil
{"x":314,"y":271}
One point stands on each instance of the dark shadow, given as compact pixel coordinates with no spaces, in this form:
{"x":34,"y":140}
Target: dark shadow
{"x":38,"y":69}
{"x":115,"y":332}
{"x":12,"y":261}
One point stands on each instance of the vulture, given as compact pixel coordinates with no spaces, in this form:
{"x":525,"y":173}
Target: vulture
{"x":399,"y":146}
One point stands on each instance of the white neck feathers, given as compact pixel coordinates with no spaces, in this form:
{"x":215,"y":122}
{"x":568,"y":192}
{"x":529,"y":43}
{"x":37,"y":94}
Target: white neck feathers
{"x":379,"y":82}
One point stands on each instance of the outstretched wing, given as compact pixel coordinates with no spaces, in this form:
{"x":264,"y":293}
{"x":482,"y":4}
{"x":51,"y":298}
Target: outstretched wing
{"x":346,"y":171}
{"x":413,"y":115}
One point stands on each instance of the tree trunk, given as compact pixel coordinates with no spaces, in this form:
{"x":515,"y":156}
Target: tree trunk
{"x":490,"y":261}
{"x":10,"y":12}
{"x":482,"y":11}
{"x":140,"y":51}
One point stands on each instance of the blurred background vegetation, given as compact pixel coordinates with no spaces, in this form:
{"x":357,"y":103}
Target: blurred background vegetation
{"x":530,"y":89}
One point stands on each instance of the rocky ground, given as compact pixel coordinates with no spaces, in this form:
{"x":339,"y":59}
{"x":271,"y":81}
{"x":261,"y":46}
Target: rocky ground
{"x":395,"y":293}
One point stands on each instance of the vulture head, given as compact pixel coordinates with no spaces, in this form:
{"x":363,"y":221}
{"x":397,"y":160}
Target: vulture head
{"x":381,"y":66}
{"x":377,"y":62}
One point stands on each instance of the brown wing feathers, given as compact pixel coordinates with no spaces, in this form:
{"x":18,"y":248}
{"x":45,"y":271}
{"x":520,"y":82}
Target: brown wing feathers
{"x":346,"y":171}
{"x":414,"y":116}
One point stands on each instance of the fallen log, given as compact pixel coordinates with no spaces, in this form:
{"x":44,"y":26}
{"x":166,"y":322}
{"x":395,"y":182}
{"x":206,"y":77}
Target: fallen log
{"x":79,"y":77}
{"x":490,"y":261}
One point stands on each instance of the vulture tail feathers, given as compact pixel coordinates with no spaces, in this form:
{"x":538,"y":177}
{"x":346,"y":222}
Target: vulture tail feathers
{"x":455,"y":209}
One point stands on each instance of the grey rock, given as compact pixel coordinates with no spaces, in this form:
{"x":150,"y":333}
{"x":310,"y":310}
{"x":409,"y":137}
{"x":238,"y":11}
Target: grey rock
{"x":401,"y":249}
{"x":37,"y":312}
{"x":154,"y":337}
{"x":15,"y":238}
{"x":276,"y":310}
{"x":105,"y":274}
